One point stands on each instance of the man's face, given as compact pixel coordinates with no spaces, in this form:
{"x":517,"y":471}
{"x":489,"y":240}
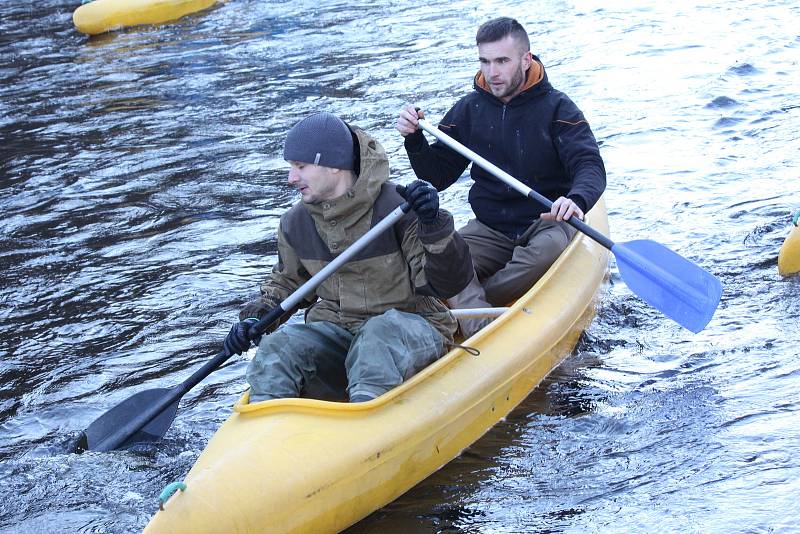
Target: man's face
{"x":503,"y":64}
{"x":317,"y":183}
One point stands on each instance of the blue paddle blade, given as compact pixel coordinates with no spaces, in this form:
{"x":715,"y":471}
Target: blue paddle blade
{"x":678,"y":288}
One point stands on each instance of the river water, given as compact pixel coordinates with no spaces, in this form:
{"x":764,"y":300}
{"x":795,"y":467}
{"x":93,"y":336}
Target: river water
{"x":142,"y":182}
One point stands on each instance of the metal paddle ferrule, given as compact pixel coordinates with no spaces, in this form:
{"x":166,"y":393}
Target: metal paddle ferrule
{"x":148,"y":414}
{"x":678,"y":288}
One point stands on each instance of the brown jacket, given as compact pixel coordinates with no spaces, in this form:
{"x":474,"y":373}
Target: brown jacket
{"x":409,"y":268}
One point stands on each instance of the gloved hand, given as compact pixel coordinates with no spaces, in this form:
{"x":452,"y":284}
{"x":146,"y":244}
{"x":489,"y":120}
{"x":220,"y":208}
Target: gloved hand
{"x":254,"y":309}
{"x":238,"y":339}
{"x":424,"y":200}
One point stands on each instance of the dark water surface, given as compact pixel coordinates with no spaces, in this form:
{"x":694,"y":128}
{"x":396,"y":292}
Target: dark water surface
{"x":141,"y":186}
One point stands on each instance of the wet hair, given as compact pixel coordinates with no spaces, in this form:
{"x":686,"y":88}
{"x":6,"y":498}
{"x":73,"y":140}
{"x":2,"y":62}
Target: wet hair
{"x":497,"y":29}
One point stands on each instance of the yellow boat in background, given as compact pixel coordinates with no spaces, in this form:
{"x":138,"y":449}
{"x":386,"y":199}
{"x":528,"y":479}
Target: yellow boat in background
{"x":302,"y":465}
{"x":789,"y":255}
{"x":101,"y":16}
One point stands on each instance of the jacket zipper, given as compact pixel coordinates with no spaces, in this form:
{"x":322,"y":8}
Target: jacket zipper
{"x":503,"y":129}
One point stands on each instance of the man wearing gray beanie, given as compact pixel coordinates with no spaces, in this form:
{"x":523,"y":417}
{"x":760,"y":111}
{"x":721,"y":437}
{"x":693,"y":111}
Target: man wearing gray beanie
{"x":381,"y":317}
{"x":322,"y":139}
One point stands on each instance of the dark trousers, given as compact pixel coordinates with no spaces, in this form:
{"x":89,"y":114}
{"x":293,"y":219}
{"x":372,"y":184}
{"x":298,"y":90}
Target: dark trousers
{"x":506,"y":268}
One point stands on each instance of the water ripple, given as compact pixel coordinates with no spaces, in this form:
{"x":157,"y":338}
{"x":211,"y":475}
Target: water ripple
{"x":142,"y":182}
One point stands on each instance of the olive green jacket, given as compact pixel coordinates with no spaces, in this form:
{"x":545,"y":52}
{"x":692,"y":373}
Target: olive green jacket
{"x":411,"y":267}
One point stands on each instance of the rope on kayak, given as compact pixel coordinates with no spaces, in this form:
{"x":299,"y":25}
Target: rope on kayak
{"x":796,"y":218}
{"x":465,"y":348}
{"x":167,"y":492}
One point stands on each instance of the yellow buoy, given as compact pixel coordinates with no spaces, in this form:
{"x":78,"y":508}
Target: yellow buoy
{"x":102,"y":16}
{"x":789,"y":256}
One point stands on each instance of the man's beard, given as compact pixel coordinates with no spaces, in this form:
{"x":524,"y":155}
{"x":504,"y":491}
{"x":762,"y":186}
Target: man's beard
{"x":514,"y":85}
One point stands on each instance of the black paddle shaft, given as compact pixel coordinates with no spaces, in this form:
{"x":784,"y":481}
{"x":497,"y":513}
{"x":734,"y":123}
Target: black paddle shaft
{"x":574,"y":221}
{"x":161,"y":401}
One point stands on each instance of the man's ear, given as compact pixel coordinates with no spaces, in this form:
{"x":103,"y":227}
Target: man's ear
{"x":527,"y":59}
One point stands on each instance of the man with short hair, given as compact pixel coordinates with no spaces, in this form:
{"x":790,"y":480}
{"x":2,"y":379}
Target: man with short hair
{"x":518,"y":121}
{"x":380,"y":318}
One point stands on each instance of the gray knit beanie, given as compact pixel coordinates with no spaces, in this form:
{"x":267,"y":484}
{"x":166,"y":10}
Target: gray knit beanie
{"x":322,"y":139}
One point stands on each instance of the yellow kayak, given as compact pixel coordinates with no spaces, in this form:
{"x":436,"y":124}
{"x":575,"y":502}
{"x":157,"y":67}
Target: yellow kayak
{"x":789,"y":255}
{"x":302,"y":465}
{"x":102,"y":16}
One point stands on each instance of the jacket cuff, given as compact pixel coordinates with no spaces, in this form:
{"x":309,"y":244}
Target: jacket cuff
{"x":579,"y":200}
{"x":414,"y":142}
{"x":441,"y":228}
{"x":255,"y":308}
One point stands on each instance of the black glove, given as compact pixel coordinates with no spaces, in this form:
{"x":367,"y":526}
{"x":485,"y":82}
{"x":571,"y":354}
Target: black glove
{"x":424,"y":200}
{"x":238,"y":339}
{"x":254,"y":309}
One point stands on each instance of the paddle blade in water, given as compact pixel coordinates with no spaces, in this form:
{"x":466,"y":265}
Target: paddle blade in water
{"x":678,"y":288}
{"x":115,"y":420}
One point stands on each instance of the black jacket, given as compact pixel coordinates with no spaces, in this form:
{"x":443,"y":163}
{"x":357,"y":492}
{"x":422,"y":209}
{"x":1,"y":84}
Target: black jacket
{"x":540,"y":137}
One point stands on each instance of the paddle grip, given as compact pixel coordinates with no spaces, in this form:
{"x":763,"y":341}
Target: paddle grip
{"x":575,"y":222}
{"x":579,"y":225}
{"x":265,"y":322}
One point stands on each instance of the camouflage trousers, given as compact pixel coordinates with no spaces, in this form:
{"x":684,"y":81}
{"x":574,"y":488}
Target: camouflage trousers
{"x":322,"y":360}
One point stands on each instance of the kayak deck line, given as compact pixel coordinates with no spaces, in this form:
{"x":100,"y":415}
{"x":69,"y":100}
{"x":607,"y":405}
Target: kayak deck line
{"x":460,"y":313}
{"x":305,"y":465}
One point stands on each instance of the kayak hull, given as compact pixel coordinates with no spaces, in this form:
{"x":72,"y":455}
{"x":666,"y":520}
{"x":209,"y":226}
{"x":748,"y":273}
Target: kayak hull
{"x":302,"y":465}
{"x":102,"y":16}
{"x":789,"y":255}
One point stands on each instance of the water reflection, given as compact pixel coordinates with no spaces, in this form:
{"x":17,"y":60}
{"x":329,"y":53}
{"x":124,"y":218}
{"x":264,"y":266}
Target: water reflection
{"x":142,"y":182}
